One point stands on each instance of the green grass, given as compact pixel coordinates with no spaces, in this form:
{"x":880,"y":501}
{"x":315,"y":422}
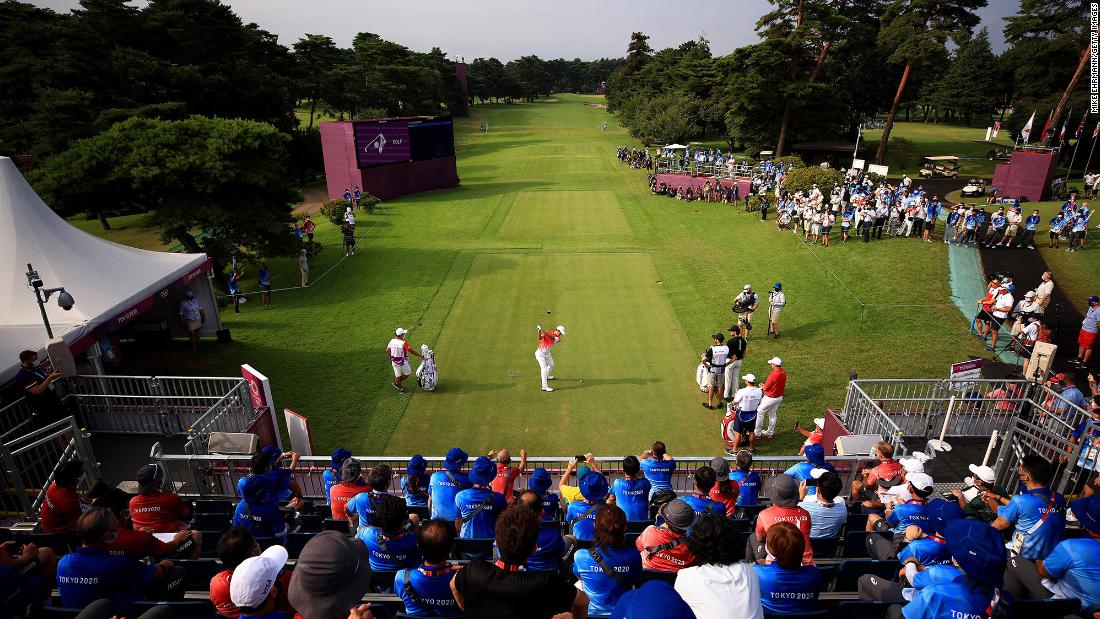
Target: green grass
{"x":132,"y":230}
{"x":547,"y":219}
{"x":931,"y":139}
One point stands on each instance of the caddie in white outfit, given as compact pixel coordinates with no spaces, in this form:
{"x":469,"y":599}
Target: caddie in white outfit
{"x":398,"y":350}
{"x":547,"y":339}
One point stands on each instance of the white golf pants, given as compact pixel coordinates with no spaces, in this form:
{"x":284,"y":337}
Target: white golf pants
{"x":546,"y":365}
{"x":768,"y":411}
{"x":733,"y":378}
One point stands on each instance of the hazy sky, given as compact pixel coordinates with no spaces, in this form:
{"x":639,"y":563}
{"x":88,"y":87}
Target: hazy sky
{"x":507,"y":29}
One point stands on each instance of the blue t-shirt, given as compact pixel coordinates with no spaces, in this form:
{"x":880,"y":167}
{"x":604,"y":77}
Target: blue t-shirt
{"x":549,"y":549}
{"x":330,"y":478}
{"x":414,"y":499}
{"x":788,"y":591}
{"x":551,"y":507}
{"x":433,"y":587}
{"x":443,"y":492}
{"x":1026,"y":510}
{"x":1090,"y":455}
{"x":801,"y":472}
{"x":703,"y":504}
{"x":585,"y":528}
{"x":280,"y":479}
{"x":958,"y":598}
{"x":659,"y":473}
{"x":1032,"y":222}
{"x":604,"y":591}
{"x":88,"y":574}
{"x":264,"y":275}
{"x":263,"y":520}
{"x":390,"y":555}
{"x":483,"y":524}
{"x":1075,"y":564}
{"x":927,"y":550}
{"x":749,"y":487}
{"x":909,"y":513}
{"x":936,"y":575}
{"x":826,"y":519}
{"x":632,"y":496}
{"x":364,"y":503}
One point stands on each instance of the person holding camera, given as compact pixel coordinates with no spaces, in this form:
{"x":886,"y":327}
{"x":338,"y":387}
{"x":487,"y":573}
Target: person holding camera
{"x":984,"y":494}
{"x":744,"y":306}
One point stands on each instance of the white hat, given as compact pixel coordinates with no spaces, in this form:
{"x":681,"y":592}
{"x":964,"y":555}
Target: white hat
{"x":562,"y":329}
{"x":1030,"y":294}
{"x":819,"y":422}
{"x":983,"y":473}
{"x":749,"y":378}
{"x":747,"y":287}
{"x":254,"y":577}
{"x":401,"y":331}
{"x":920,"y":481}
{"x":775,"y":361}
{"x":911,"y":465}
{"x":817,"y":473}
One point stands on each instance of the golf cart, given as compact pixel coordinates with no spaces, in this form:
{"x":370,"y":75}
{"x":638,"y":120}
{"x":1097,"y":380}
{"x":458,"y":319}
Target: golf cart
{"x":946,"y":166}
{"x":974,"y":188}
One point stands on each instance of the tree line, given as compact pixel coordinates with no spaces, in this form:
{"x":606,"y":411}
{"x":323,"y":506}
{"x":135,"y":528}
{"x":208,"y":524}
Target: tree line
{"x":823,"y":67}
{"x":529,"y":77}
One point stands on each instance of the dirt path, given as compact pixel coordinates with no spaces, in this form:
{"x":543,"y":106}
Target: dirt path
{"x":314,"y":197}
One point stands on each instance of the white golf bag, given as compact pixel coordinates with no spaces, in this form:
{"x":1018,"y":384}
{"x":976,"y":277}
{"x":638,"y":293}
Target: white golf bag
{"x":701,"y":377}
{"x":426,"y":375}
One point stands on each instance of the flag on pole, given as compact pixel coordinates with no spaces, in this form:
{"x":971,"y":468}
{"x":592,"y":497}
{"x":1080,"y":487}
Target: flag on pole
{"x":1062,"y":131}
{"x":1081,"y":127}
{"x":1026,"y":131}
{"x":996,"y":127}
{"x":1046,"y":127}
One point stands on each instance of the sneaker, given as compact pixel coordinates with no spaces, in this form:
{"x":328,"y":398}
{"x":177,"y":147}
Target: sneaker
{"x":707,"y":406}
{"x":547,"y":388}
{"x":730,"y":451}
{"x":399,"y":388}
{"x":549,"y":378}
{"x":1031,"y":247}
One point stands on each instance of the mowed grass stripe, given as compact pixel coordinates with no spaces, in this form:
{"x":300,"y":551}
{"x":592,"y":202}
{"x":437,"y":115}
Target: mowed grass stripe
{"x":623,"y":365}
{"x":565,"y":213}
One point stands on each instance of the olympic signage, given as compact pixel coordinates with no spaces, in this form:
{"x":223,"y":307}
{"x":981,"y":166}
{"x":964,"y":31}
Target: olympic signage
{"x":379,"y":143}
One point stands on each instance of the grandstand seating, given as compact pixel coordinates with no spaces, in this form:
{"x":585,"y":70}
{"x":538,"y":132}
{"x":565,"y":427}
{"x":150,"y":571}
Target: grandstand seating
{"x":847,"y":577}
{"x":825,"y":547}
{"x":471,"y":548}
{"x":648,"y":575}
{"x":342,"y":526}
{"x":1029,"y":609}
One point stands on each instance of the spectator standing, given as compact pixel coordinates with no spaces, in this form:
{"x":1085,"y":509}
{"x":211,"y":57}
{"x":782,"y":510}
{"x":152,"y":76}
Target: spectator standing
{"x":1037,"y":512}
{"x":445,"y":485}
{"x":351,"y":485}
{"x":664,"y":548}
{"x":550,"y":546}
{"x":259,"y":511}
{"x":392,"y":547}
{"x":477,"y":508}
{"x":700,"y":500}
{"x":349,"y":240}
{"x":415,"y":483}
{"x":719,"y":584}
{"x":581,"y":515}
{"x":255,"y":588}
{"x":62,"y":506}
{"x":1086,"y":338}
{"x":540,"y":483}
{"x":783,"y":491}
{"x":331,"y":475}
{"x":725,"y":490}
{"x":1044,"y":290}
{"x":503,"y":589}
{"x":828,"y":513}
{"x":330,"y":577}
{"x":308,"y":227}
{"x":1031,"y":225}
{"x":714,"y":360}
{"x":741,"y":416}
{"x":787,"y":585}
{"x":609,"y":568}
{"x":1002,"y":305}
{"x":263,"y":277}
{"x":658,"y":467}
{"x":505,"y":481}
{"x":631,"y":491}
{"x":349,"y":219}
{"x":774,"y":386}
{"x":37,"y":384}
{"x":744,"y":305}
{"x":399,"y":350}
{"x":303,"y":267}
{"x":192,"y":315}
{"x":234,"y":546}
{"x":426,"y":590}
{"x":1070,"y":571}
{"x":777,"y":300}
{"x":233,"y":286}
{"x":737,"y":346}
{"x":748,"y":480}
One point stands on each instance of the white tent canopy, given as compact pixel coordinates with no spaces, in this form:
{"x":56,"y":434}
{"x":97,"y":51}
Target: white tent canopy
{"x":105,"y":278}
{"x":674,"y":147}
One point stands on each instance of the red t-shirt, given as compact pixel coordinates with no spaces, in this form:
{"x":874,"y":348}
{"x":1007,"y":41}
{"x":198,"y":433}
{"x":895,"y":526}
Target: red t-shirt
{"x":138,"y":544}
{"x":219,"y":594}
{"x":160,"y":512}
{"x":886,"y":470}
{"x":671,"y":560}
{"x":308,"y":226}
{"x":726,"y":492}
{"x":505,"y":480}
{"x":776,"y":381}
{"x":816,"y":437}
{"x":60,"y":510}
{"x":794,"y":515}
{"x":339,"y":496}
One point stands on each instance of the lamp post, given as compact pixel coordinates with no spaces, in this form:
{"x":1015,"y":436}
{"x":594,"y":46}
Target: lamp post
{"x":64,"y":299}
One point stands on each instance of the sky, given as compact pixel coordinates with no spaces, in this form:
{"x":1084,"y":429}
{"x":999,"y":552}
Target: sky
{"x":507,"y":29}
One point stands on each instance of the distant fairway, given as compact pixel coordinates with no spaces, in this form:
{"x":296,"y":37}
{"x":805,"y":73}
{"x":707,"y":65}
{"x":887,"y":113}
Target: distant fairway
{"x":547,"y":219}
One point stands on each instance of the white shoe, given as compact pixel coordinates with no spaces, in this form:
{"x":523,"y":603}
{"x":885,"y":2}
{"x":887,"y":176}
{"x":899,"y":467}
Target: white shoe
{"x":549,"y":378}
{"x":547,"y":388}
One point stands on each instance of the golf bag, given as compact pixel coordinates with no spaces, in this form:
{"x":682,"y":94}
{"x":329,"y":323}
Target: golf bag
{"x":426,"y":375}
{"x":784,"y":220}
{"x":701,"y":377}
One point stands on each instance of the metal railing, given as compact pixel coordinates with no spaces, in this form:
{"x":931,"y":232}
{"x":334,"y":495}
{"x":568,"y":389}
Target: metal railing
{"x":233,"y":412}
{"x":31,"y":461}
{"x":677,"y":166}
{"x":863,"y":415}
{"x":15,"y":419}
{"x":217,"y":475}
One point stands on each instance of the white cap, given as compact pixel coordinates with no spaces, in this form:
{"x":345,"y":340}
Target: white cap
{"x":749,"y":378}
{"x":401,"y":331}
{"x":819,"y":422}
{"x":983,"y":473}
{"x":254,"y":577}
{"x":775,"y":361}
{"x":911,"y":465}
{"x":747,"y":287}
{"x":562,"y":329}
{"x":816,"y":473}
{"x":920,"y":481}
{"x":1030,"y":294}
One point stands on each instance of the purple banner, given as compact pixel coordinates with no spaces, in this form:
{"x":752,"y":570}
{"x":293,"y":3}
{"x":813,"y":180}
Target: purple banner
{"x":381,"y":143}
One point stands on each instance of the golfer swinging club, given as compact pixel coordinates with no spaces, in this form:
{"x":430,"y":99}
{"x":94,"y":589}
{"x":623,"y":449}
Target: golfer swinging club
{"x":547,"y":339}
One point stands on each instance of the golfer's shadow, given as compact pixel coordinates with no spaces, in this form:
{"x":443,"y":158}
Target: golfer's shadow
{"x":566,"y":384}
{"x":468,"y":386}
